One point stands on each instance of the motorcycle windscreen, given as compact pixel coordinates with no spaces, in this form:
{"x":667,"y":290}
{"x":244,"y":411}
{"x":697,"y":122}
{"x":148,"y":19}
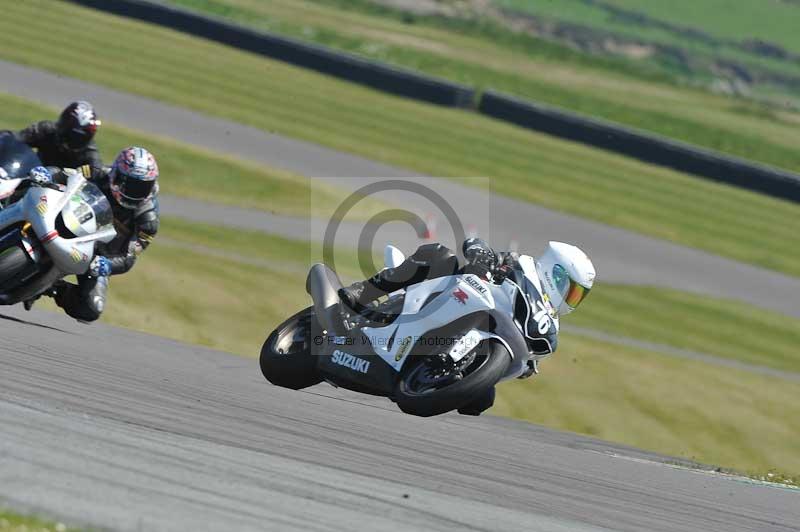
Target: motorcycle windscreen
{"x":16,"y":158}
{"x":87,"y":211}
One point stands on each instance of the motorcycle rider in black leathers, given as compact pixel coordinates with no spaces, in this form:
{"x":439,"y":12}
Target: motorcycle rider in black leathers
{"x":131,"y":185}
{"x":428,"y":262}
{"x":68,"y":142}
{"x":564,"y":273}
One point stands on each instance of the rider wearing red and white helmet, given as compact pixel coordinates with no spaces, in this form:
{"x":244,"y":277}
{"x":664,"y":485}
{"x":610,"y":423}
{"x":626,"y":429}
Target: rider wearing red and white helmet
{"x":131,"y":184}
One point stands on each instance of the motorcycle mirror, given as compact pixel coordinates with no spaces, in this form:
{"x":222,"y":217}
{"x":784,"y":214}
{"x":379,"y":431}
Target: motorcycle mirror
{"x":392,"y":257}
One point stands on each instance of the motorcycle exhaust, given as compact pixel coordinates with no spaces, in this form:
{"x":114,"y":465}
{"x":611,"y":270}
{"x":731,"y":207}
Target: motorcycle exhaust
{"x":323,"y":286}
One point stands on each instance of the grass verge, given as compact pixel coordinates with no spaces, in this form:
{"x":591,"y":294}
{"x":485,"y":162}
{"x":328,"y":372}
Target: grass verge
{"x":14,"y":522}
{"x":243,"y":284}
{"x":273,"y":96}
{"x":723,"y":19}
{"x":191,"y":172}
{"x":727,"y":329}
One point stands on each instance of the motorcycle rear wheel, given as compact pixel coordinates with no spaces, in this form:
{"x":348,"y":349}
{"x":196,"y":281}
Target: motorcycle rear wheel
{"x":419,"y":394}
{"x":286,"y":358}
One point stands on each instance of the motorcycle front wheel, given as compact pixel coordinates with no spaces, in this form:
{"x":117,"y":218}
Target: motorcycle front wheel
{"x":13,"y":260}
{"x":286,"y":358}
{"x":429,"y":388}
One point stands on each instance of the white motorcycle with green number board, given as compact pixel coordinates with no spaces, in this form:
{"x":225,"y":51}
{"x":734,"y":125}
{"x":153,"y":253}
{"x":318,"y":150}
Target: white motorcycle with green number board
{"x":47,"y":230}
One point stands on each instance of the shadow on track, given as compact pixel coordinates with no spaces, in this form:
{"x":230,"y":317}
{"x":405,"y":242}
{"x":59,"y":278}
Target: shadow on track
{"x":17,"y":320}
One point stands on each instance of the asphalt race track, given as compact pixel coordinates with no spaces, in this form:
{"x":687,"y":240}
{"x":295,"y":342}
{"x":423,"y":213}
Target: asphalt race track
{"x":119,"y":430}
{"x":620,"y":256}
{"x":116,"y":429}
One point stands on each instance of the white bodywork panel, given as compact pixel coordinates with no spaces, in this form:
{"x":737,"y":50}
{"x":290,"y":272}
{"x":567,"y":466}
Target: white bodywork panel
{"x":8,"y":186}
{"x":458,"y":295}
{"x":40,"y":207}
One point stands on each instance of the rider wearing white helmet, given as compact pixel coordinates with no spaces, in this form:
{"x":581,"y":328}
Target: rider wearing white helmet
{"x":563,"y":272}
{"x":567,"y":276}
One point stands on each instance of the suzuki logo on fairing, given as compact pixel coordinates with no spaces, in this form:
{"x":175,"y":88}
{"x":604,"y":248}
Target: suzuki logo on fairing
{"x":349,"y":361}
{"x":476,"y":284}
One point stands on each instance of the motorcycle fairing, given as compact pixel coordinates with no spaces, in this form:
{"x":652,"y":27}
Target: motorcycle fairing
{"x":542,"y":339}
{"x":434,"y":304}
{"x":8,"y":186}
{"x":70,"y":255}
{"x":371,"y":376}
{"x":40,"y":207}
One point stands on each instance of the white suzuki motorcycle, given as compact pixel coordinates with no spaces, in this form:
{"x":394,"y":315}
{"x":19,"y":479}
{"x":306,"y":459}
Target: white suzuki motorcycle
{"x":434,"y":347}
{"x":50,"y":230}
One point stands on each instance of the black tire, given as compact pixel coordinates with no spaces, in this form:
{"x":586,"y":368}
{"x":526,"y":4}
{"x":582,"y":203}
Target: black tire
{"x":286,"y":358}
{"x":491,"y":361}
{"x":12,"y":261}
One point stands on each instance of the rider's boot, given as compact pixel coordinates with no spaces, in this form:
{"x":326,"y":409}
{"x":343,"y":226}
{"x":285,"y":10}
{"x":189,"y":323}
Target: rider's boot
{"x":428,"y":262}
{"x":50,"y":292}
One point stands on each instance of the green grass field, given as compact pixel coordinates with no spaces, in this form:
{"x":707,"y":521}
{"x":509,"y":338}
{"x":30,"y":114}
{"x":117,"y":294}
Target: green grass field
{"x":243,"y":284}
{"x":487,"y":55}
{"x":273,"y":96}
{"x":728,"y":329}
{"x":14,"y":522}
{"x":774,"y":22}
{"x":710,"y":30}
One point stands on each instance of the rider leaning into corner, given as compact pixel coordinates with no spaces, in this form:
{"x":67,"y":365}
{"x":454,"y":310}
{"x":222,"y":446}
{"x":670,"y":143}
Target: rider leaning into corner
{"x":565,"y":273}
{"x":131,"y":185}
{"x":69,"y":141}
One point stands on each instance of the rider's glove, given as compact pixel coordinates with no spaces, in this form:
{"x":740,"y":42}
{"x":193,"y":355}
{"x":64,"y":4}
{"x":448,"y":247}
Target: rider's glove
{"x":40,"y":175}
{"x":100,"y":267}
{"x":481,"y":259}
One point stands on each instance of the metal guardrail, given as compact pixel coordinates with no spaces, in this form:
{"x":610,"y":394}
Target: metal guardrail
{"x":647,"y":147}
{"x":641,"y":145}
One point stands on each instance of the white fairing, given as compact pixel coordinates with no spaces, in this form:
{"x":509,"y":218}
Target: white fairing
{"x":8,"y":186}
{"x":528,"y":266}
{"x":40,"y":207}
{"x":455,"y":296}
{"x":392,"y":257}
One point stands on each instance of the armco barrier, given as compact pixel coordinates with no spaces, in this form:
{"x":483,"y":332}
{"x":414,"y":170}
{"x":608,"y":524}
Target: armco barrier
{"x":346,"y":66}
{"x":644,"y":146}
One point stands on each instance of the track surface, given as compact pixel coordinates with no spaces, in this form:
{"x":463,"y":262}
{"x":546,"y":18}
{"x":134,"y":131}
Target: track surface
{"x":117,"y":429}
{"x":620,"y":256}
